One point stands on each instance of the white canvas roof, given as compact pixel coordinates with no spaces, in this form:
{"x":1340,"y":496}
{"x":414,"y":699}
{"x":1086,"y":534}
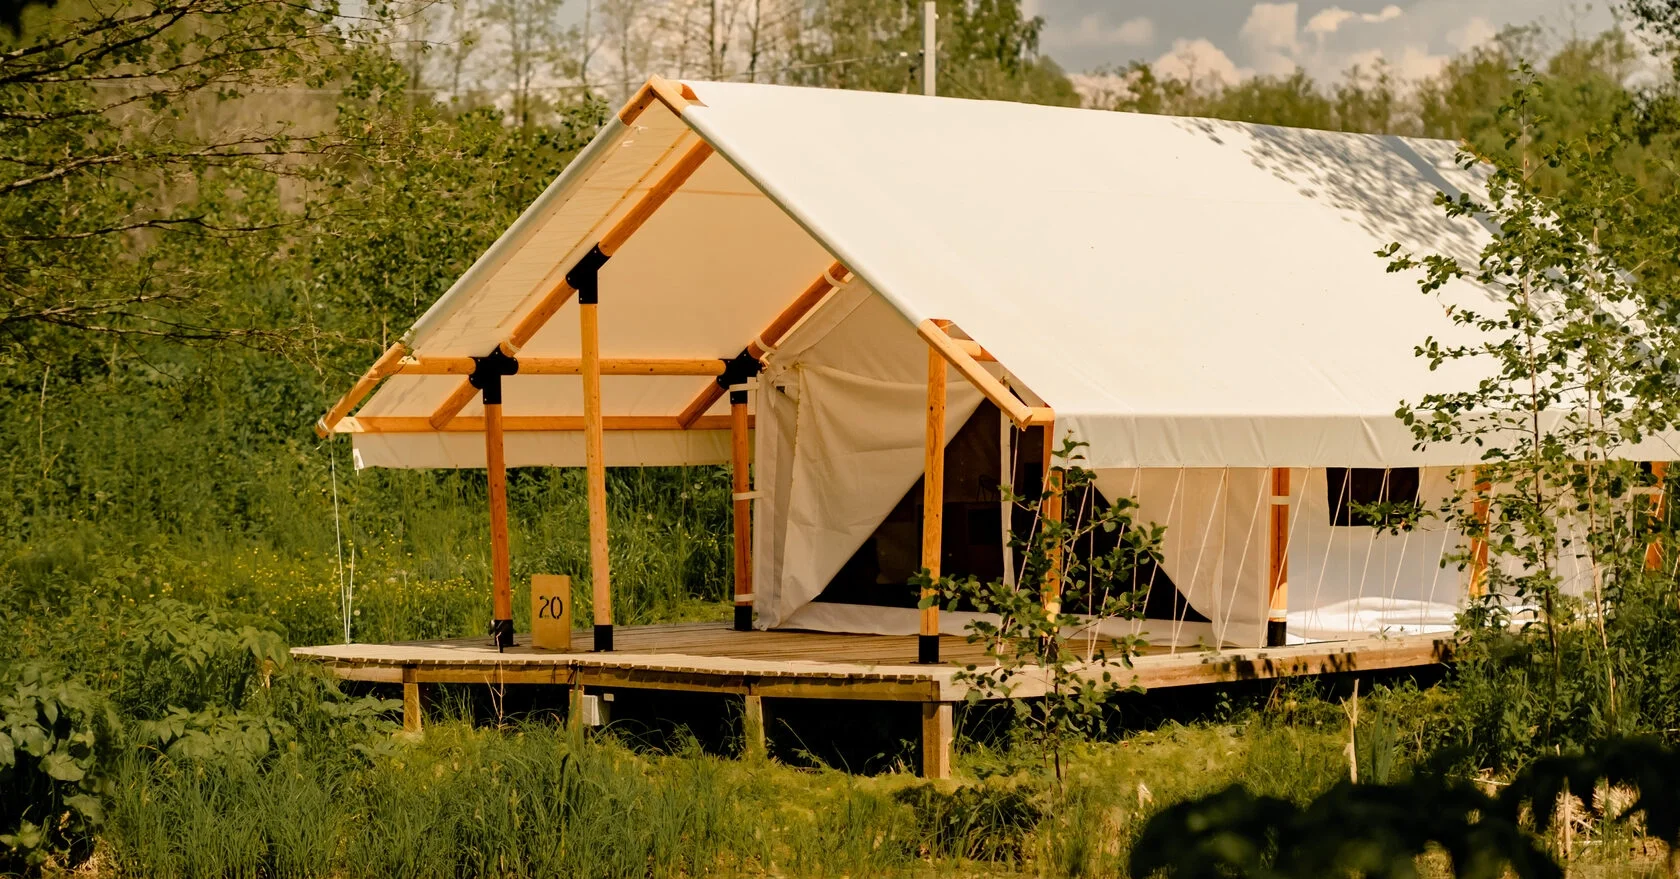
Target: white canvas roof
{"x":1182,"y":292}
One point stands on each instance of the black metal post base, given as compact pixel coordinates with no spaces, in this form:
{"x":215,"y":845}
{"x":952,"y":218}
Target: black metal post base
{"x":501,"y":634}
{"x":743,"y":617}
{"x":1277,"y":634}
{"x":927,"y":649}
{"x":603,"y":638}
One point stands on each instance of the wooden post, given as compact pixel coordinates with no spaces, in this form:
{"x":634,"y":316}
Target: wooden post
{"x":740,"y":463}
{"x":936,"y":739}
{"x":574,"y":707}
{"x":1050,"y":510}
{"x":487,"y":377}
{"x":1277,"y":542}
{"x":411,"y":701}
{"x":600,"y":570}
{"x":1479,"y":545}
{"x":551,"y":612}
{"x":753,"y":745}
{"x":933,"y":506}
{"x":1659,"y":509}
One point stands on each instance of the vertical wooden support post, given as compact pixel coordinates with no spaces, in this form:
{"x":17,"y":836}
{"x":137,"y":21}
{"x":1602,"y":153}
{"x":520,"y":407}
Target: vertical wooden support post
{"x":1479,"y":544}
{"x":411,"y":701}
{"x":936,"y":739}
{"x":600,"y":568}
{"x":1659,"y":509}
{"x":753,"y":745}
{"x":933,"y":505}
{"x":487,"y":375}
{"x":1050,"y":511}
{"x":740,"y":462}
{"x":1277,"y":543}
{"x":574,"y":705}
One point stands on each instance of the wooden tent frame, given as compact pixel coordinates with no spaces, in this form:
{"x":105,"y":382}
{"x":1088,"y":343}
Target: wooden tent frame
{"x":481,"y":374}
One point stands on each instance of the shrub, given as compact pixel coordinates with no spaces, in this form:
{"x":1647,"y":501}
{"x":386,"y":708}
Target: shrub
{"x":55,"y":734}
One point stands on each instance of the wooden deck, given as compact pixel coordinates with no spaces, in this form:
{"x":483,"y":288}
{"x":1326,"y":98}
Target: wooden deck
{"x":714,"y":658}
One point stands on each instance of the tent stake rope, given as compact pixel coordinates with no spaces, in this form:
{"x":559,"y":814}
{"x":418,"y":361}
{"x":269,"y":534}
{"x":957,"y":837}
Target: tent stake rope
{"x":1201,"y":552}
{"x":1262,"y":500}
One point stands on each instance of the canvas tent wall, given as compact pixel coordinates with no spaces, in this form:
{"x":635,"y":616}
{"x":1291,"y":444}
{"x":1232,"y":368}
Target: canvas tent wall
{"x":1197,"y":301}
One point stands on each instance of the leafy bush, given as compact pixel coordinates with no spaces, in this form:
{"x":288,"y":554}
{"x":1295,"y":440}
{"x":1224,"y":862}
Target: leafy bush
{"x":1381,"y":830}
{"x":55,"y":736}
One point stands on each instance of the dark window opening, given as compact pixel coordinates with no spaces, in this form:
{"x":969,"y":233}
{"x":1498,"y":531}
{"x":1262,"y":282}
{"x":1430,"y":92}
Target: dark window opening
{"x":879,"y":573}
{"x":1351,"y":492}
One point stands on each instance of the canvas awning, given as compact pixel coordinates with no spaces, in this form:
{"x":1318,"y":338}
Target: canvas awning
{"x":1182,"y":292}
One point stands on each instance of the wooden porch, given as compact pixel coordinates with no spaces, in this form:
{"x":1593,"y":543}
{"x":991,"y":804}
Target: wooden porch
{"x":716,"y":658}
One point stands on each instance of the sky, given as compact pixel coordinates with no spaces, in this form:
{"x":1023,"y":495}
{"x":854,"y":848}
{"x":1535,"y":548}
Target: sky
{"x":1234,"y":39}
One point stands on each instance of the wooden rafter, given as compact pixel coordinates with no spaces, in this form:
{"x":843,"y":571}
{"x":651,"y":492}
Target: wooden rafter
{"x":524,"y":423}
{"x":675,"y":96}
{"x":562,"y":292}
{"x":830,"y":280}
{"x":569,"y":366}
{"x":376,"y":373}
{"x":957,"y":354}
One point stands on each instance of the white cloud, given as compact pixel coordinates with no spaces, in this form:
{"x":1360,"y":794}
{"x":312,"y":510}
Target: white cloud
{"x":1475,"y":32}
{"x":1330,"y":20}
{"x":1095,"y":30}
{"x":1271,"y":34}
{"x":1199,"y":60}
{"x":1271,"y":26}
{"x":1138,"y":31}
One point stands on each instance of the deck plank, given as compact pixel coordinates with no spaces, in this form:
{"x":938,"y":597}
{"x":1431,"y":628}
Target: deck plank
{"x":713,"y":657}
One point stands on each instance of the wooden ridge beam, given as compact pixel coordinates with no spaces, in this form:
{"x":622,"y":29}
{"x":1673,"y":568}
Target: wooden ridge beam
{"x":830,"y":280}
{"x":958,"y":356}
{"x":527,"y":423}
{"x":570,"y":366}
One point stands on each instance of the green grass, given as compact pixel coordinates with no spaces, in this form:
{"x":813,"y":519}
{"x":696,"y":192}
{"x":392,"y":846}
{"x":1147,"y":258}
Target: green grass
{"x":537,"y":800}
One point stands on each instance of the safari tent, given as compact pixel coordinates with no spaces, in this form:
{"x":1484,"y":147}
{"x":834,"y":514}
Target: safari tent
{"x":879,"y":307}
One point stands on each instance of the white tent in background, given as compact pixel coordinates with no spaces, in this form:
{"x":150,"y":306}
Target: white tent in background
{"x":1198,"y":301}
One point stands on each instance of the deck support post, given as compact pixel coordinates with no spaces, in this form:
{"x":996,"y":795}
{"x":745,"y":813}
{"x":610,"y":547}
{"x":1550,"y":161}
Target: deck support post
{"x":1479,"y":544}
{"x":1051,"y":500}
{"x":740,"y":464}
{"x":1277,"y":544}
{"x":937,"y":734}
{"x":585,"y":280}
{"x":1659,"y":509}
{"x":486,"y":376}
{"x":933,"y":508}
{"x":411,"y":701}
{"x":574,"y":707}
{"x":753,"y":745}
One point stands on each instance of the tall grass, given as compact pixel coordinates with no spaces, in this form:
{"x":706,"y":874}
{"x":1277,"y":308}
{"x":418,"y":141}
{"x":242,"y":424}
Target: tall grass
{"x":232,"y":503}
{"x":538,"y":800}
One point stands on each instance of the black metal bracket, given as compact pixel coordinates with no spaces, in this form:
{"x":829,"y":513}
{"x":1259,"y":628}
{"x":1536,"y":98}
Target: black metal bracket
{"x":737,"y":369}
{"x":501,"y":634}
{"x":487,"y":374}
{"x":1277,"y":633}
{"x":585,"y":277}
{"x":738,"y":397}
{"x":603,"y":638}
{"x":927,"y":649}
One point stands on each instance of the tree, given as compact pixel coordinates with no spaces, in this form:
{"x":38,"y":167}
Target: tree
{"x":117,"y":174}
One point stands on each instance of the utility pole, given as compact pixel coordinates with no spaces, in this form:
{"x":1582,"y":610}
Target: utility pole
{"x":930,"y":56}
